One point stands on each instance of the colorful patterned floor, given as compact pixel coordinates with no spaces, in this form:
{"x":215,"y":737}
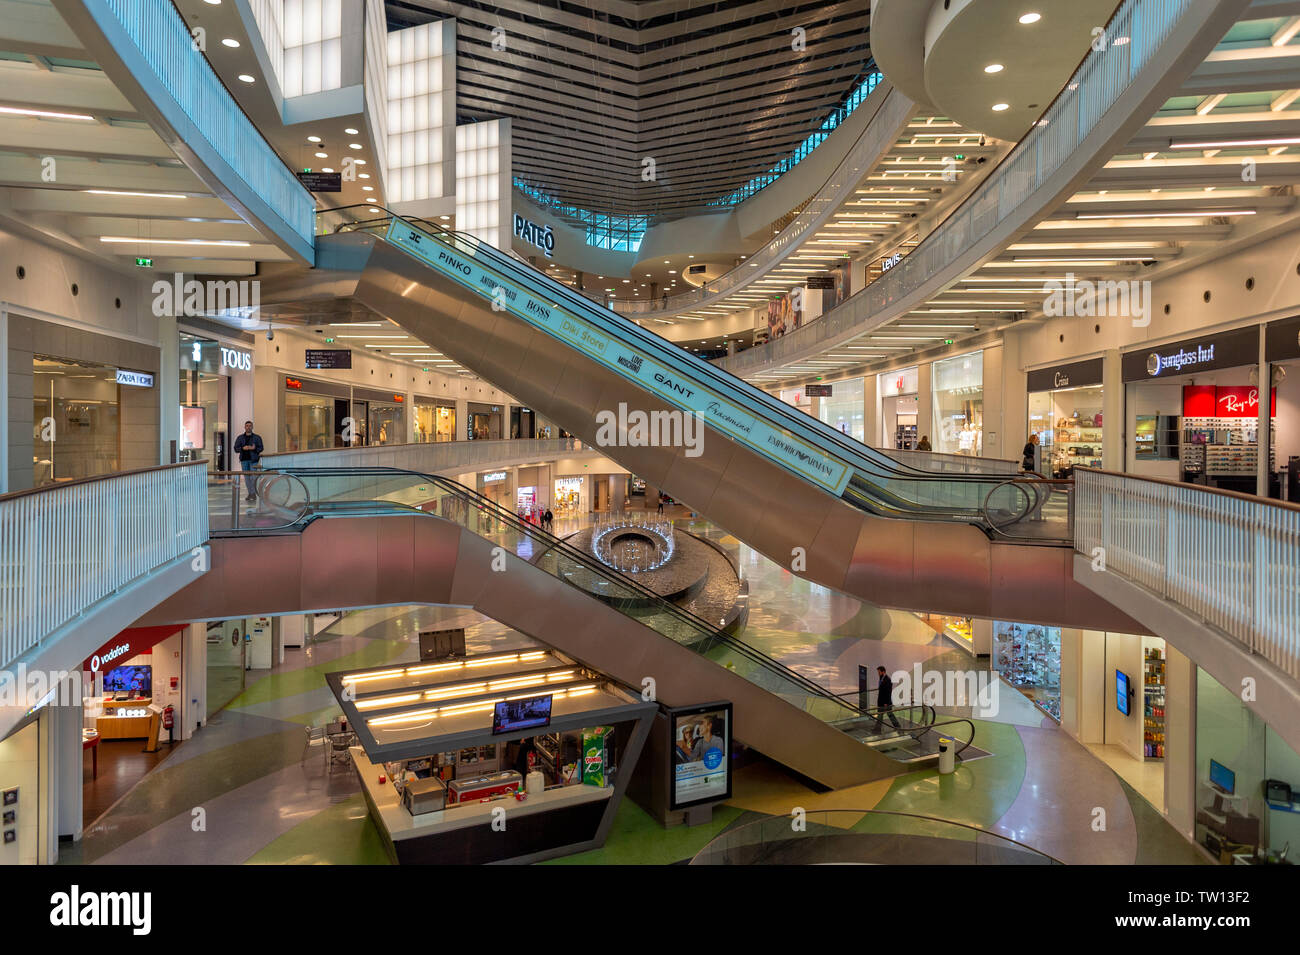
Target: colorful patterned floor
{"x":245,"y":789}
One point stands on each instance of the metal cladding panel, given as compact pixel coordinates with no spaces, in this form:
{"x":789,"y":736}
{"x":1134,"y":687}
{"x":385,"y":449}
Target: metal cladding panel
{"x":695,"y":480}
{"x":831,"y":552}
{"x":883,"y":569}
{"x":393,"y":562}
{"x":952,"y":568}
{"x":1028,"y":587}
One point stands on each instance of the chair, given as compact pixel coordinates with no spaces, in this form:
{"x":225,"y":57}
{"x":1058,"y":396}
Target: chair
{"x":315,"y":736}
{"x":339,"y":744}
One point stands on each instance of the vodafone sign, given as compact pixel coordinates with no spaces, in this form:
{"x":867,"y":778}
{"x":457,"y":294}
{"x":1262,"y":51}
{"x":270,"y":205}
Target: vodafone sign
{"x":127,"y":644}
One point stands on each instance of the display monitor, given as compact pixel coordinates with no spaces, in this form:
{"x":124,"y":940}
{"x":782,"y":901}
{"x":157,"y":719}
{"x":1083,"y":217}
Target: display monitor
{"x":1121,"y":692}
{"x":509,"y":716}
{"x":701,"y":754}
{"x":1222,"y":778}
{"x":130,"y":679}
{"x":193,"y":428}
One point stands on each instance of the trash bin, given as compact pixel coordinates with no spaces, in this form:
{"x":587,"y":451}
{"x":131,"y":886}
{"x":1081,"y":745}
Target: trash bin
{"x":947,"y":755}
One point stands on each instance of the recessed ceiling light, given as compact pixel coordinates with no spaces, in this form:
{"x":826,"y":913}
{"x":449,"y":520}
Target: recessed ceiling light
{"x":229,"y":243}
{"x":354,"y":145}
{"x":327,"y":169}
{"x":245,"y":78}
{"x":215,"y":3}
{"x":367,"y":188}
{"x":350,"y":131}
{"x":327,"y":155}
{"x":44,"y":113}
{"x":993,"y":68}
{"x":313,"y":139}
{"x":444,"y":218}
{"x":142,"y":195}
{"x":359,"y":162}
{"x":1029,"y":18}
{"x":999,"y":107}
{"x":363,"y":175}
{"x":233,"y":44}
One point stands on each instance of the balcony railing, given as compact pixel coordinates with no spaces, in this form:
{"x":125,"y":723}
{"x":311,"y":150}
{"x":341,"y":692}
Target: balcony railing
{"x":1104,"y":75}
{"x":160,"y":35}
{"x":430,"y":457}
{"x":64,"y":547}
{"x":1230,"y":559}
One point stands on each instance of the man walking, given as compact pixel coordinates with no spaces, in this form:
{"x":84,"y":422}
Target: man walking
{"x":885,"y":700}
{"x":249,"y":448}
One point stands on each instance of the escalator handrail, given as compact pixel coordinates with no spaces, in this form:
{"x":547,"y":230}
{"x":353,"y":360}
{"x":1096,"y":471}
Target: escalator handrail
{"x":959,"y":719}
{"x":554,"y":543}
{"x":867,"y":458}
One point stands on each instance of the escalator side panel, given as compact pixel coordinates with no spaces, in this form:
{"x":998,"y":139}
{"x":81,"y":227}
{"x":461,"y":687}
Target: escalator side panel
{"x":332,"y":564}
{"x":695,"y":480}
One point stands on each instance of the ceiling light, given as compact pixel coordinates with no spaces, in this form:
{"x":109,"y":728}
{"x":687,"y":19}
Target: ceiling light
{"x":1234,"y":143}
{"x":367,"y":188}
{"x":363,"y":175}
{"x":322,"y":155}
{"x":359,"y":162}
{"x":999,"y":107}
{"x":1165,"y":215}
{"x":142,"y":195}
{"x":327,"y":169}
{"x":354,"y":145}
{"x":1029,"y":18}
{"x":43,"y":113}
{"x":233,"y":44}
{"x":993,"y":68}
{"x":313,"y":139}
{"x":245,"y":78}
{"x":215,"y":3}
{"x":230,"y":243}
{"x":444,"y":218}
{"x":350,"y":131}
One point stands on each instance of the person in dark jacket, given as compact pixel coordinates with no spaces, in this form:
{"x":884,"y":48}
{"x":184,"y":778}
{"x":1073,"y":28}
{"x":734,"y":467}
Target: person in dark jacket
{"x":1028,"y":454}
{"x":885,"y":700}
{"x":249,"y":448}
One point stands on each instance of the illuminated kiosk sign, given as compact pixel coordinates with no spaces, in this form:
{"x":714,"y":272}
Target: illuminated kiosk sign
{"x":787,"y":450}
{"x":534,"y":234}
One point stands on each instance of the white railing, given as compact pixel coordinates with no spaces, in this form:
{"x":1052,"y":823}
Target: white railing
{"x":64,"y":548}
{"x":439,"y":457}
{"x":879,"y":136}
{"x":1230,"y":559}
{"x":181,"y":69}
{"x":1057,"y":136}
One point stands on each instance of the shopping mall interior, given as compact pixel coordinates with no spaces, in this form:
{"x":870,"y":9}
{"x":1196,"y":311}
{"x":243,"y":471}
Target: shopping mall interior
{"x":648,"y":432}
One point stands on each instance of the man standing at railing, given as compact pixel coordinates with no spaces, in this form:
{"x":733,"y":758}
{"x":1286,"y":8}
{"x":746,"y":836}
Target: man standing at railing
{"x":249,"y":448}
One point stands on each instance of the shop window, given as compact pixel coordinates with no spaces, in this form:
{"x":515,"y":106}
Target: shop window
{"x":958,"y":404}
{"x":75,"y":420}
{"x":1029,"y":658}
{"x":308,"y":422}
{"x":844,"y":410}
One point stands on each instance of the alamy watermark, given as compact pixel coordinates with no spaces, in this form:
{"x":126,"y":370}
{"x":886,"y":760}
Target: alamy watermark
{"x":178,"y":297}
{"x":650,"y":429}
{"x":978,"y":689}
{"x":1084,"y":298}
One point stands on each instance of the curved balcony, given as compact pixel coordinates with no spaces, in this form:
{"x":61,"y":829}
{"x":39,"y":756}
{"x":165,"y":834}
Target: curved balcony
{"x":1110,"y":95}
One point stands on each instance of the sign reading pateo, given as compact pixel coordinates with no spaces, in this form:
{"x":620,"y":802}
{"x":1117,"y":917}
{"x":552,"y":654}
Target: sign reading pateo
{"x":321,"y":181}
{"x":534,"y":234}
{"x":329,"y":358}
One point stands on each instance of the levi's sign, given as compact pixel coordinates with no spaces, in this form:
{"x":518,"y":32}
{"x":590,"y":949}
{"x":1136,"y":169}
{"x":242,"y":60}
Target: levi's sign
{"x":731,"y":419}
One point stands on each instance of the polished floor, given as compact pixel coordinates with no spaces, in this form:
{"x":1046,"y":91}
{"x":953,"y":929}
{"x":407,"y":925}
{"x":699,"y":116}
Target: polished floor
{"x":246,"y":789}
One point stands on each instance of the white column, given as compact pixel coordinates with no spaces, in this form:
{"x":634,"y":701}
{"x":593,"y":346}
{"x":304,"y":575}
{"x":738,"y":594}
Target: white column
{"x":1265,"y":389}
{"x":194,"y":679}
{"x":169,"y":387}
{"x":1112,"y":403}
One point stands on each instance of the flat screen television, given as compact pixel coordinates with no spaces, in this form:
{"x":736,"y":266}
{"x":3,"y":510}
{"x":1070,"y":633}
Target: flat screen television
{"x":509,"y":716}
{"x":1121,"y":691}
{"x":137,"y":679}
{"x":1222,"y":778}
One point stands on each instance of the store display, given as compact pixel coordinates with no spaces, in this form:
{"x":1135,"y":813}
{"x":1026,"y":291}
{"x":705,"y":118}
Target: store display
{"x":1029,"y":658}
{"x":1065,"y":412}
{"x":1153,"y":709}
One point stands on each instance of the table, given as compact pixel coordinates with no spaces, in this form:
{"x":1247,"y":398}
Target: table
{"x":92,"y":743}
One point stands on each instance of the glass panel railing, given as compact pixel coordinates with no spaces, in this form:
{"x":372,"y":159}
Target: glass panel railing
{"x":337,"y":488}
{"x":856,"y":836}
{"x":826,"y":457}
{"x":251,"y":501}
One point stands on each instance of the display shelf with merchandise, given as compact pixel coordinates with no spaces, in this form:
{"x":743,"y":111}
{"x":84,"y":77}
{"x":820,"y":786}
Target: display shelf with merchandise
{"x":1153,"y":708}
{"x":1029,"y":658}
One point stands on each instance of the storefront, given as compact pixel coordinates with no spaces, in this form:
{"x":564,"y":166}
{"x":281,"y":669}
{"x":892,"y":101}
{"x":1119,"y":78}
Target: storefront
{"x":957,"y":394}
{"x":1282,"y":348}
{"x":483,"y":422}
{"x":1193,"y":411}
{"x":897,"y":393}
{"x":497,"y":487}
{"x":570,"y":496}
{"x":76,"y":419}
{"x":327,"y":414}
{"x":216,"y":385}
{"x":1065,"y":411}
{"x":435,"y":420}
{"x":1028,"y":657}
{"x":797,"y":397}
{"x":523,"y":422}
{"x":844,"y":408}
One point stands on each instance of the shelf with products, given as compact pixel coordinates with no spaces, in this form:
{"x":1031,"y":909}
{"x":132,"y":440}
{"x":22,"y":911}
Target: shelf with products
{"x":1153,"y":704}
{"x":1029,"y":658}
{"x":1223,"y":446}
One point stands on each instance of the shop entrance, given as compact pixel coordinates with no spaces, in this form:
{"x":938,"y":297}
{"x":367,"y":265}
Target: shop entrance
{"x":897,"y":392}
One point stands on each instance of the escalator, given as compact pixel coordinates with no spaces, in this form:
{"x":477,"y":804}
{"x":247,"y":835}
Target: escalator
{"x":329,"y":539}
{"x":807,"y":496}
